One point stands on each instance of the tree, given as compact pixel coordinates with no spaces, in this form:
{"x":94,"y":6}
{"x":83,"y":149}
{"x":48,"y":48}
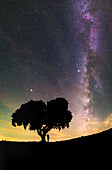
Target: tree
{"x":42,"y":117}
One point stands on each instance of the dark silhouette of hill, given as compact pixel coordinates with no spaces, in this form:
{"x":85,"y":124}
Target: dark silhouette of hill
{"x":101,"y":137}
{"x":16,"y":155}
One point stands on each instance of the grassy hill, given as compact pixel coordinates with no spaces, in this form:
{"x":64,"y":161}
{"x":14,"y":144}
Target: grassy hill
{"x":15,"y":155}
{"x":102,"y":137}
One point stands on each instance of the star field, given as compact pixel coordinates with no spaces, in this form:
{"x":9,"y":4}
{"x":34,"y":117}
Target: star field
{"x":52,"y":49}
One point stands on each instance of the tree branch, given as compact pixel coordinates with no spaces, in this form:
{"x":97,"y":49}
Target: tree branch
{"x":39,"y":132}
{"x":46,"y":129}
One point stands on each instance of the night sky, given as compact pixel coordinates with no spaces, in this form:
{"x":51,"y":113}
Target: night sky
{"x":56,"y":48}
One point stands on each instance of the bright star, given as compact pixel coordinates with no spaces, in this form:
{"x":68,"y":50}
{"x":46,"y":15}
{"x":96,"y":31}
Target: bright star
{"x":31,"y":90}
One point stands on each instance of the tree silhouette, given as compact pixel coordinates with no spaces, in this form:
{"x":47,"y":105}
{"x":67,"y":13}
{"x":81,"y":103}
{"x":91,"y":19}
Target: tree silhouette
{"x":42,"y":117}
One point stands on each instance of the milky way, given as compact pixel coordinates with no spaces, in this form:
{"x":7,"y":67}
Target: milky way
{"x":52,"y":49}
{"x":90,"y":82}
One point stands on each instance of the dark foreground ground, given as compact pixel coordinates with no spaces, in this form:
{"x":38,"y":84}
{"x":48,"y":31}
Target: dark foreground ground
{"x":53,"y":155}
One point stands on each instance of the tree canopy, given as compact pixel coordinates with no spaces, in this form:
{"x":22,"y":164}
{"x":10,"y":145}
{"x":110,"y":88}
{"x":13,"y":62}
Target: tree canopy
{"x":43,"y":117}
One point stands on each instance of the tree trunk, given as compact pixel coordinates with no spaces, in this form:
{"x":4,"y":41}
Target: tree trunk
{"x":43,"y":138}
{"x":42,"y":133}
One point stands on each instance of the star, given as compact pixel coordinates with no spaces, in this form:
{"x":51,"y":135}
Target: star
{"x":78,"y":71}
{"x":31,"y":90}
